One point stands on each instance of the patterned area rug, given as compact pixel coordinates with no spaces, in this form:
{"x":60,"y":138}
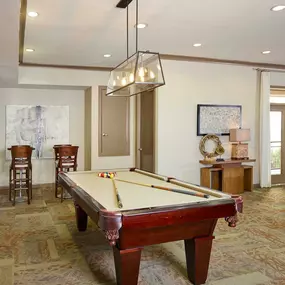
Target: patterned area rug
{"x":40,"y":245}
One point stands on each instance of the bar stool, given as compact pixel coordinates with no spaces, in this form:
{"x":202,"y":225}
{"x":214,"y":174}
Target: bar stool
{"x":20,"y":174}
{"x":56,"y":147}
{"x":67,"y":161}
{"x":56,"y":157}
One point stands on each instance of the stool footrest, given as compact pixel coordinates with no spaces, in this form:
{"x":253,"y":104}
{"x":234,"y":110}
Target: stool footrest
{"x":21,"y":188}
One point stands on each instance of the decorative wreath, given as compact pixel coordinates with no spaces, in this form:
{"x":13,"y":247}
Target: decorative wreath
{"x":218,"y":150}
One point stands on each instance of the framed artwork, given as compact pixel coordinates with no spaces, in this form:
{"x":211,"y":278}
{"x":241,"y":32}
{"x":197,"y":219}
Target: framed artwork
{"x":38,"y":126}
{"x":218,"y":119}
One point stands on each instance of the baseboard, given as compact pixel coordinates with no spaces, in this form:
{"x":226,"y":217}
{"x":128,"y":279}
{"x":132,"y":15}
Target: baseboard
{"x":256,"y":186}
{"x":4,"y":189}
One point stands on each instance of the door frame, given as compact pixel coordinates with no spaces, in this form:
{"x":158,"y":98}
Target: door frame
{"x":279,"y":179}
{"x":138,"y":130}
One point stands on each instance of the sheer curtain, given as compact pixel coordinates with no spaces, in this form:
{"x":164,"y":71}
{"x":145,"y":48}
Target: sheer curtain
{"x":264,"y":155}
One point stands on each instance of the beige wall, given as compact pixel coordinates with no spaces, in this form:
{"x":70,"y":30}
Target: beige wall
{"x":43,"y":169}
{"x":189,"y":84}
{"x":68,"y":77}
{"x":277,"y":79}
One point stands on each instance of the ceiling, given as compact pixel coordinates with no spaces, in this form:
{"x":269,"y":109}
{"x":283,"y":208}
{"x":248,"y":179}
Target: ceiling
{"x":80,"y":32}
{"x":9,"y":39}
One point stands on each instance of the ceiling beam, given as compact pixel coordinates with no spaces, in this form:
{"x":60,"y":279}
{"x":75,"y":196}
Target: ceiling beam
{"x":222,"y":61}
{"x":123,"y":4}
{"x":171,"y":57}
{"x":23,"y":14}
{"x":93,"y":68}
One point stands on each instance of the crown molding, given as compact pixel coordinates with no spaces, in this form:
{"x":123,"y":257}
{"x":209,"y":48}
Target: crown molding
{"x":221,"y":61}
{"x":91,"y":68}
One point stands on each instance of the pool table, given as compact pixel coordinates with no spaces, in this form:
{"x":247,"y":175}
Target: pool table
{"x":150,"y":216}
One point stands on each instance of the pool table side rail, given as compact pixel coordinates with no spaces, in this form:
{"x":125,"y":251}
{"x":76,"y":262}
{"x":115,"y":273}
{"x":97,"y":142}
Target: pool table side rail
{"x":189,"y":185}
{"x":71,"y":187}
{"x":201,"y":189}
{"x":176,"y":215}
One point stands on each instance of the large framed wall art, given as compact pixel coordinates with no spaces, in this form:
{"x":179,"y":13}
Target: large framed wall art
{"x":38,"y":126}
{"x":218,"y":119}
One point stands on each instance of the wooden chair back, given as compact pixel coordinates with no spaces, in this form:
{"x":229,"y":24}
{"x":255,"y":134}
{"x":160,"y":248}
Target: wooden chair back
{"x":21,"y":154}
{"x":56,"y":147}
{"x":67,"y":157}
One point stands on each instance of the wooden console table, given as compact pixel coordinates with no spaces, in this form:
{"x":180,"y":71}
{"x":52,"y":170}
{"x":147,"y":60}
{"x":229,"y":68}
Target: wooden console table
{"x":230,"y":176}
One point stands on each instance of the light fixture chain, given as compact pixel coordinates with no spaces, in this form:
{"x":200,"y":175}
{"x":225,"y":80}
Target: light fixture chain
{"x":137,"y":19}
{"x":128,"y":31}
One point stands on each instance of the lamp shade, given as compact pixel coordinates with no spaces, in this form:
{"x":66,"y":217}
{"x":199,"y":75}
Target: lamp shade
{"x":239,"y":135}
{"x":139,"y":73}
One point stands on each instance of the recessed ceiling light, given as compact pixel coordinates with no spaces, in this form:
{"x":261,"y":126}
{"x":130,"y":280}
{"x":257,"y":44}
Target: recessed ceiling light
{"x":197,"y":45}
{"x":33,"y":14}
{"x":141,"y":25}
{"x":278,"y":8}
{"x":266,"y":52}
{"x":30,"y":50}
{"x":107,"y":55}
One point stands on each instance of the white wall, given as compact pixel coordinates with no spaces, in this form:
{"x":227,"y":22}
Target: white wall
{"x":189,"y":84}
{"x":69,"y":77}
{"x":43,"y":170}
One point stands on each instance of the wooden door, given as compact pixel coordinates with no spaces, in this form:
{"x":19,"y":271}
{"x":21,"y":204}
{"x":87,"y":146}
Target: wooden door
{"x":145,"y":158}
{"x":114,"y":138}
{"x":277,"y":143}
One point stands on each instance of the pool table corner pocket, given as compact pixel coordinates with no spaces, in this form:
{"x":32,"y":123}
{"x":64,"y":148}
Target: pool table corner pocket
{"x":110,"y":223}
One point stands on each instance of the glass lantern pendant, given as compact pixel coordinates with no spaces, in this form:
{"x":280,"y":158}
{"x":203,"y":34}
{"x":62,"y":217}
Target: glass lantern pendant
{"x":139,"y":73}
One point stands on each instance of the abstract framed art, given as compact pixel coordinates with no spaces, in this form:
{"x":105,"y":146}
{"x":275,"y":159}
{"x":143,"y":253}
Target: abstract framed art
{"x":218,"y":119}
{"x":38,"y":126}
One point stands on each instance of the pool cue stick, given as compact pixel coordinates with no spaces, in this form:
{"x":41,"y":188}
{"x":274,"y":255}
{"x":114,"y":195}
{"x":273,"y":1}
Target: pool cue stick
{"x":188,"y":192}
{"x":197,"y":187}
{"x":119,"y":200}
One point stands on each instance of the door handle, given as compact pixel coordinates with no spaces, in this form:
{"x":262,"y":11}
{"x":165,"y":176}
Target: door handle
{"x":140,"y":149}
{"x":104,"y":135}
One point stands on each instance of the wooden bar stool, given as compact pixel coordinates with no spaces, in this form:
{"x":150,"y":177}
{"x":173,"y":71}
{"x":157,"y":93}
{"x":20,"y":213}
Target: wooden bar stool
{"x":56,"y":147}
{"x":56,"y":156}
{"x":67,"y":161}
{"x":20,"y":174}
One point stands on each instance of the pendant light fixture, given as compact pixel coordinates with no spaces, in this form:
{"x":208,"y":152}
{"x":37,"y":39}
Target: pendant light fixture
{"x":140,"y":72}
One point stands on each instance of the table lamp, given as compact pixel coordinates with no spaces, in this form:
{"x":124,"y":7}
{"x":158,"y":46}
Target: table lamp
{"x":240,"y":148}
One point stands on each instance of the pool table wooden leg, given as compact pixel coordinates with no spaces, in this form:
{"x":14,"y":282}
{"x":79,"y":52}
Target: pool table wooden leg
{"x":198,"y":252}
{"x":127,"y":264}
{"x":81,"y":218}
